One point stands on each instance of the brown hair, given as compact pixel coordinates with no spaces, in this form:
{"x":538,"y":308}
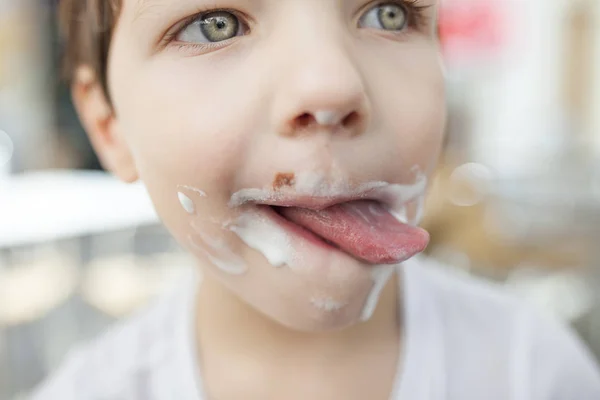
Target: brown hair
{"x":87,"y":27}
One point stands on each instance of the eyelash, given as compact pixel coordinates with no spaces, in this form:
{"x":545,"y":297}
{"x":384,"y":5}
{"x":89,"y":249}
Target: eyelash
{"x":417,"y":20}
{"x":169,"y":38}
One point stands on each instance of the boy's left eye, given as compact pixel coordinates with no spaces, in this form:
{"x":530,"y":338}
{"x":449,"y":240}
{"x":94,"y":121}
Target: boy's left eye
{"x":211,"y":27}
{"x":388,"y":16}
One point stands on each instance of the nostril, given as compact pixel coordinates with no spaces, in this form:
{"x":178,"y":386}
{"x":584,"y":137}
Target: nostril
{"x":305,"y":120}
{"x":351,"y":120}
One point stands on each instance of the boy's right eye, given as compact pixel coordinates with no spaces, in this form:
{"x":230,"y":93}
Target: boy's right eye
{"x":212,"y":27}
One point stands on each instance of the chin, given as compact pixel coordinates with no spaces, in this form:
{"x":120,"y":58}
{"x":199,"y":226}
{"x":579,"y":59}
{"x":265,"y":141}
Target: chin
{"x":319,"y":322}
{"x":317,"y":314}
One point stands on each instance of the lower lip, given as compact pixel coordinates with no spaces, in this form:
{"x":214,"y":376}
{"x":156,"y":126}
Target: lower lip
{"x":297,"y":230}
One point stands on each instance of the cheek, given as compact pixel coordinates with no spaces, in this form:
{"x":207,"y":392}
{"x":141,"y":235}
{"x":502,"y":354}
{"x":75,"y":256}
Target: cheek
{"x":183,"y":126}
{"x":182,"y":137}
{"x":413,"y":109}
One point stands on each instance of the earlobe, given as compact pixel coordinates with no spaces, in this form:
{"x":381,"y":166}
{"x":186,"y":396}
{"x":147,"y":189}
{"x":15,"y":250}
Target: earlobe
{"x":102,"y":126}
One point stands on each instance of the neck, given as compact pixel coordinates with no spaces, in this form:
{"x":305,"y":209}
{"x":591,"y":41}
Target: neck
{"x":227,"y":324}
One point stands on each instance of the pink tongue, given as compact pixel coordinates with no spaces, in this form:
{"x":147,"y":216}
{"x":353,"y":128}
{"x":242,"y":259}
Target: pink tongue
{"x":364,"y":229}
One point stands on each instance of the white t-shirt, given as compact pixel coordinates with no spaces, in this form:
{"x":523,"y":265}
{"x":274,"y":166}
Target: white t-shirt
{"x":464,"y":339}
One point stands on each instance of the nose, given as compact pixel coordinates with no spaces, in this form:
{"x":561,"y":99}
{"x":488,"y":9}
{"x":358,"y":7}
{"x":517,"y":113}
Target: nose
{"x":325,"y":93}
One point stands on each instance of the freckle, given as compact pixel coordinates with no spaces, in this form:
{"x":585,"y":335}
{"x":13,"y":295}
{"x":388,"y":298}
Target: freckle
{"x":284,"y":179}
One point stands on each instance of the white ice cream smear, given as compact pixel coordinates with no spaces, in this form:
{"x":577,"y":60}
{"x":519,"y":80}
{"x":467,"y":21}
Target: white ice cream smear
{"x":307,"y":184}
{"x":186,"y":203}
{"x":266,"y":237}
{"x":226,"y":261}
{"x":201,"y":193}
{"x":222,"y":257}
{"x":394,"y":196}
{"x":327,"y":304}
{"x":325,"y":117}
{"x":397,"y":196}
{"x":229,"y":267}
{"x":420,"y":210}
{"x":380,"y":275}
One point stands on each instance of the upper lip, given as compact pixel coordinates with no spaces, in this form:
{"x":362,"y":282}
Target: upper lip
{"x":311,"y":203}
{"x":279,"y":199}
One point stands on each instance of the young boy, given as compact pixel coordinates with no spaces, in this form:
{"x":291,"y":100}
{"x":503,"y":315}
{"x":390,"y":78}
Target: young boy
{"x":287,"y":145}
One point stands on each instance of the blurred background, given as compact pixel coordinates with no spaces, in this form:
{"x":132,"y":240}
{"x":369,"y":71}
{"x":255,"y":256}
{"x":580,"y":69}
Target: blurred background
{"x":516,"y":198}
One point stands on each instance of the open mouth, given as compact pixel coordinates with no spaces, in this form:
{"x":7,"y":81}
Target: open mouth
{"x":364,"y":229}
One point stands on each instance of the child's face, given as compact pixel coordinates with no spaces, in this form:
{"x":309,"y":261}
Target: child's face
{"x":305,"y":101}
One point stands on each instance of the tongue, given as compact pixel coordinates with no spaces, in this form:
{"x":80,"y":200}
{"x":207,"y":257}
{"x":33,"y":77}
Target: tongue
{"x":364,"y":229}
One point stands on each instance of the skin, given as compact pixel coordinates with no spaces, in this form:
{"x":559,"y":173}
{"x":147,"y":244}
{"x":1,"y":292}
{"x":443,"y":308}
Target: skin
{"x":236,"y":116}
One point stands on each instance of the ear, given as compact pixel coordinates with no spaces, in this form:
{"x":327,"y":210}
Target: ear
{"x":102,"y":126}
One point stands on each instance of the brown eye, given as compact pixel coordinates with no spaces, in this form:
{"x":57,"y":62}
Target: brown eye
{"x":388,"y":16}
{"x":211,"y":27}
